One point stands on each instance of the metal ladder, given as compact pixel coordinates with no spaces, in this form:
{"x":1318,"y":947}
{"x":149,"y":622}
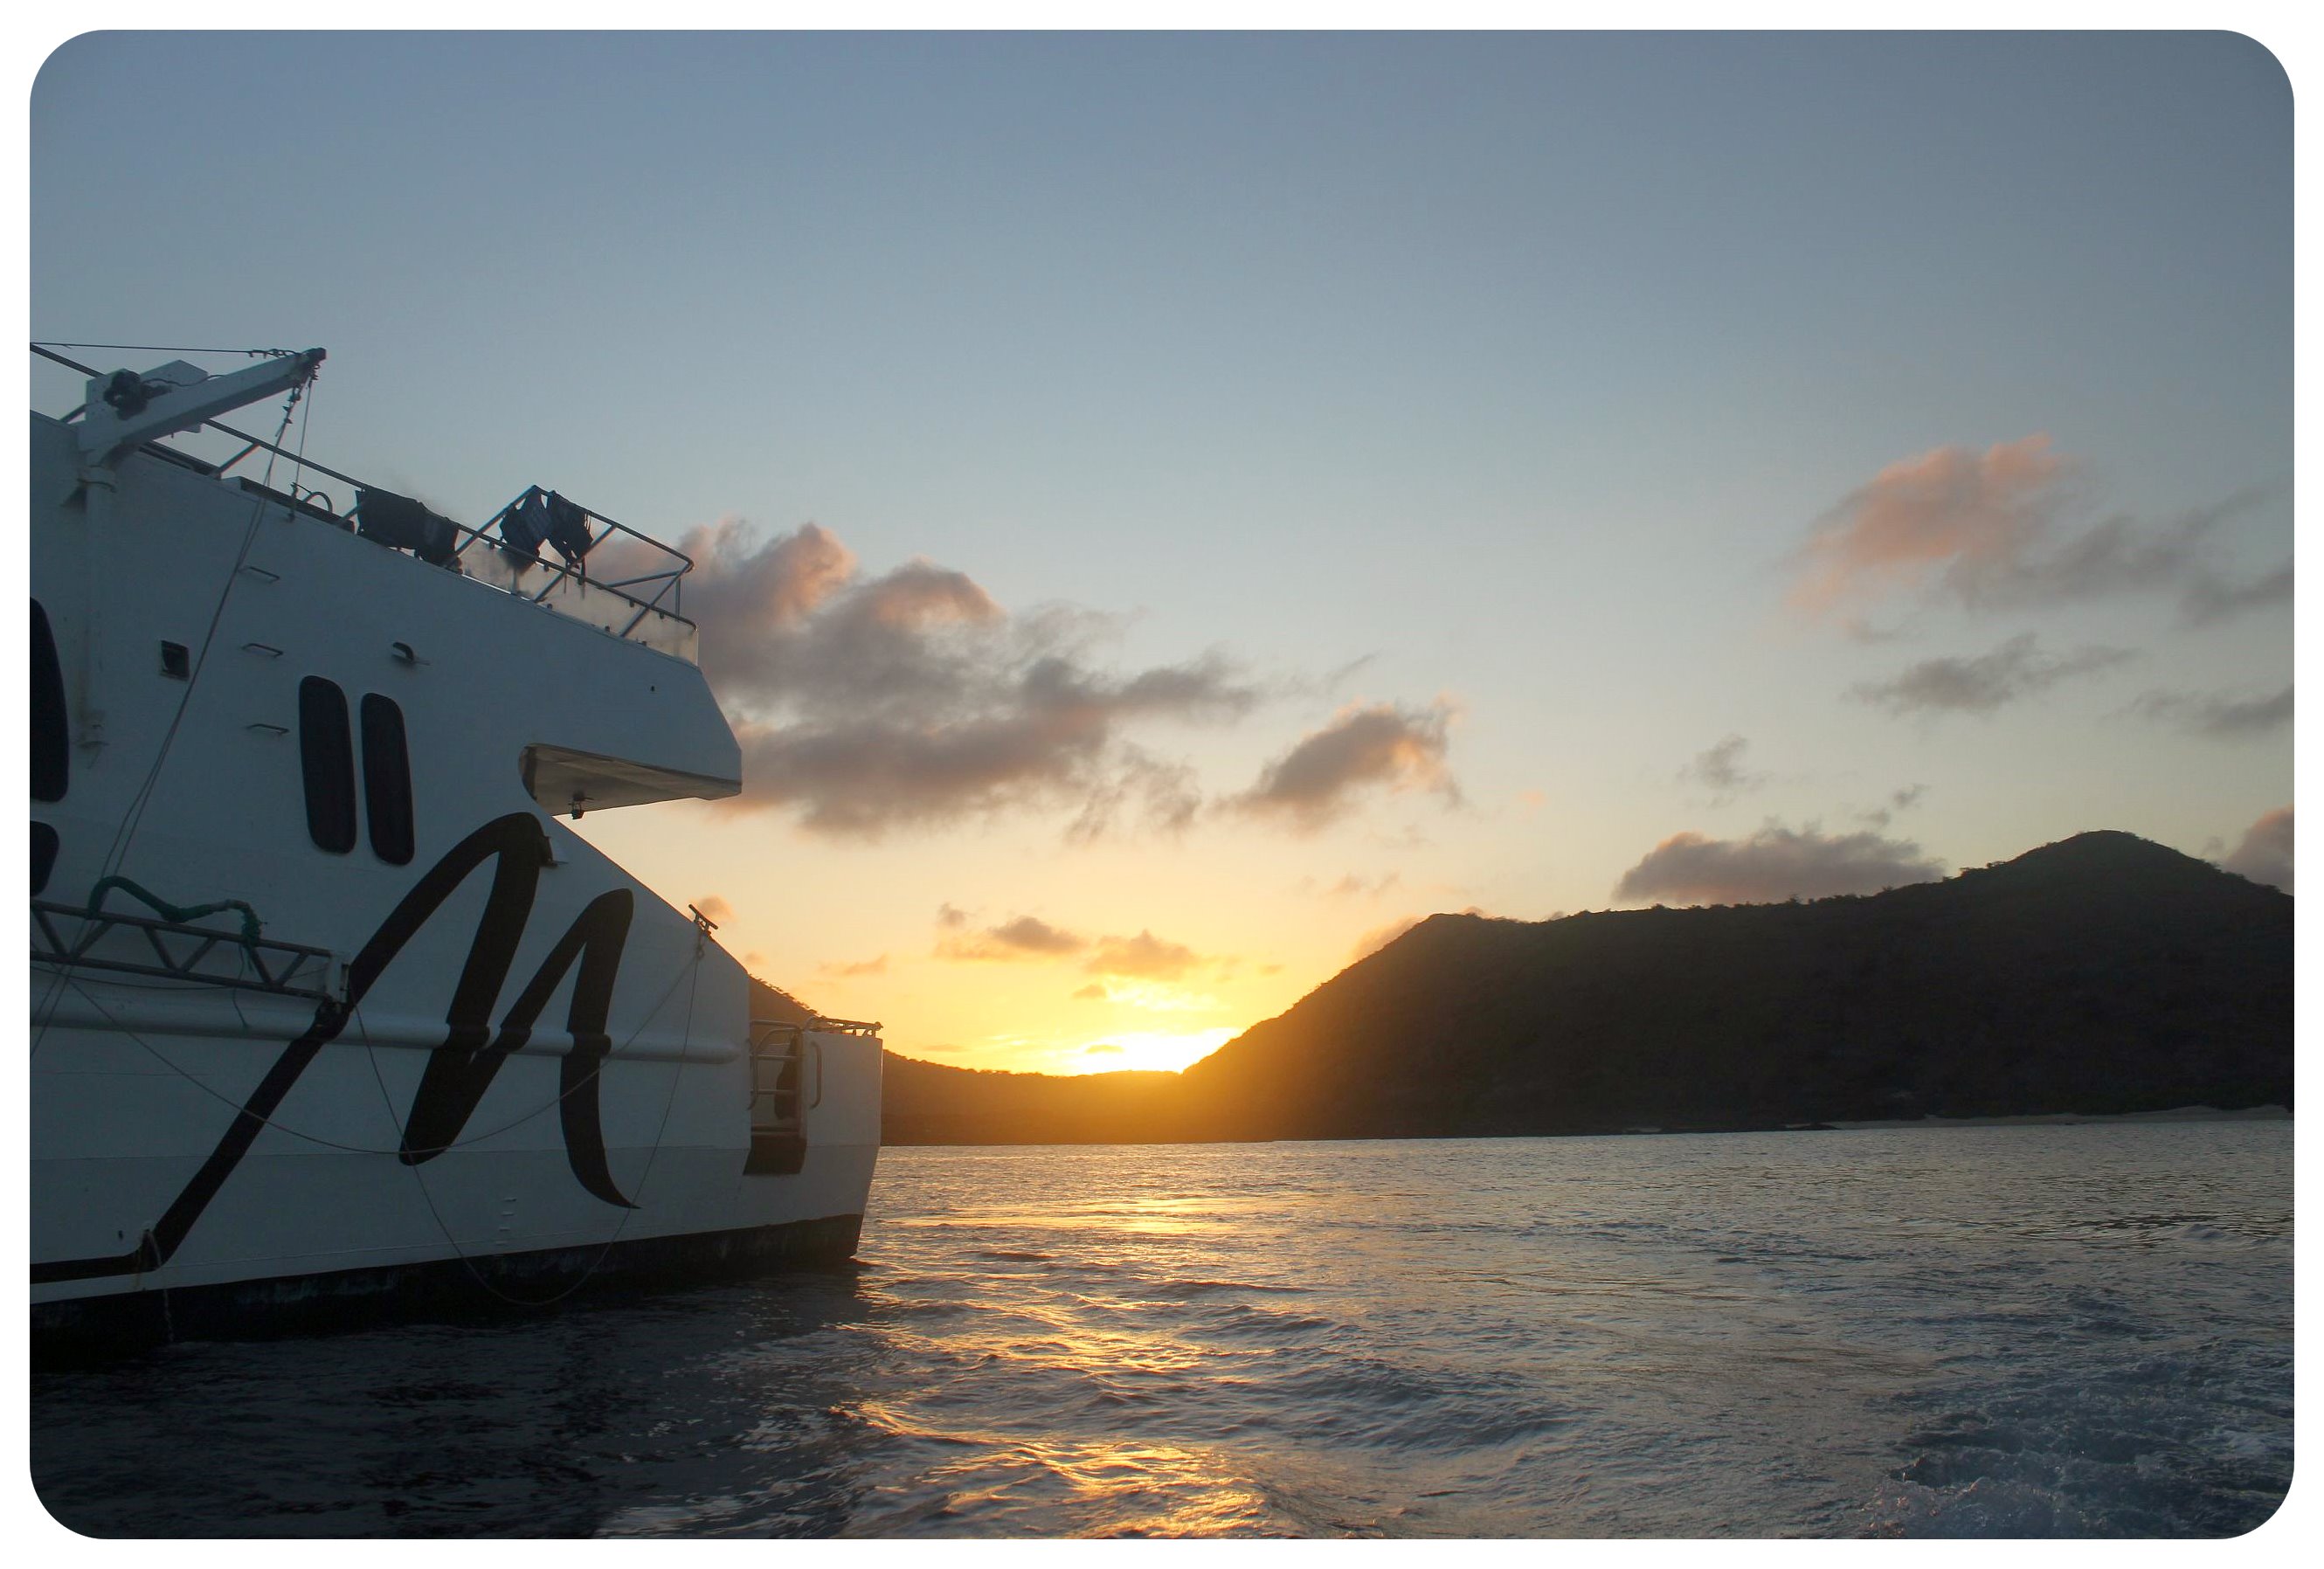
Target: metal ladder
{"x":786,"y":1080}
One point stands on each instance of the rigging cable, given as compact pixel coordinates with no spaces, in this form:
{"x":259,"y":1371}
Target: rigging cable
{"x":124,"y":835}
{"x":256,"y":354}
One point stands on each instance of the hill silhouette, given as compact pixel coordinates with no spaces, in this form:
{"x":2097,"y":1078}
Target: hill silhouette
{"x":2103,"y":973}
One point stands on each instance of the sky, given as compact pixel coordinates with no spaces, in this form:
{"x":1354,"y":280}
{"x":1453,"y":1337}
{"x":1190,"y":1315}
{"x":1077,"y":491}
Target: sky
{"x":1171,"y":510}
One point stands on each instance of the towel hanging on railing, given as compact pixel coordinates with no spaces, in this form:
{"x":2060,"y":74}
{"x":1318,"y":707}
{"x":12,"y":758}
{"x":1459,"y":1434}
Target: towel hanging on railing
{"x":403,"y":524}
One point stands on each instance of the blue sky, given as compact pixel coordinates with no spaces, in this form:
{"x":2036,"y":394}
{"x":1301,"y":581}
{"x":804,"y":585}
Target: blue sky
{"x":1494,"y":382}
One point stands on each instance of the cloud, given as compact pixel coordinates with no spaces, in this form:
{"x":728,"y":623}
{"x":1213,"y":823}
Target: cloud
{"x":1093,"y":993}
{"x":841,"y":971}
{"x":1951,"y":512}
{"x":1352,"y":886}
{"x":2212,"y":600}
{"x":2265,"y":853}
{"x":1774,"y":863}
{"x":1721,"y":770}
{"x":1025,"y":937}
{"x":719,"y":911}
{"x":912,"y":699}
{"x":951,"y":917}
{"x":1102,"y":1050}
{"x":1385,"y":744}
{"x":1898,"y":801}
{"x":1380,"y":936}
{"x":2218,"y":716}
{"x":1985,"y":531}
{"x":2017,"y":668}
{"x":1145,"y":956}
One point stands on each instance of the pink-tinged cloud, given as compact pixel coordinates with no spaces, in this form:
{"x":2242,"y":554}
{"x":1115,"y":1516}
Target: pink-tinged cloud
{"x":2265,"y":856}
{"x":1774,"y":863}
{"x":1951,"y":510}
{"x":1383,"y":746}
{"x":912,"y":699}
{"x":1986,"y":530}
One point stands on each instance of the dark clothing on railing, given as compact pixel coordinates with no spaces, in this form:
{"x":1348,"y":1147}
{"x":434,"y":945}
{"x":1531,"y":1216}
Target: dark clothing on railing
{"x":569,"y":529}
{"x":539,"y":517}
{"x":403,"y":524}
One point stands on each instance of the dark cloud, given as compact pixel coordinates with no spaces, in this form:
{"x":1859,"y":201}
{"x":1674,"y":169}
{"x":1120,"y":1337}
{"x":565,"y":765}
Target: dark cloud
{"x":1774,"y":863}
{"x":1025,"y":937}
{"x":2215,"y":600}
{"x":1384,"y":744}
{"x":1721,"y":770}
{"x":1980,"y":684}
{"x":2218,"y":716}
{"x":951,"y":917}
{"x":840,"y":971}
{"x":2265,"y":856}
{"x":1986,"y":530}
{"x":1143,"y":957}
{"x":715,"y":908}
{"x":1898,"y":801}
{"x":912,"y":699}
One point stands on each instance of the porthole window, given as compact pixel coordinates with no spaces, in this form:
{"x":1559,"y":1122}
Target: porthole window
{"x":52,"y":750}
{"x":387,"y":779}
{"x":326,"y":754}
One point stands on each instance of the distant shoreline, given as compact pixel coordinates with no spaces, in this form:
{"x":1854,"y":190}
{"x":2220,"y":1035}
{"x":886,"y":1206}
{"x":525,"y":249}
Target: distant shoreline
{"x":2044,"y":1118}
{"x":2175,"y":1114}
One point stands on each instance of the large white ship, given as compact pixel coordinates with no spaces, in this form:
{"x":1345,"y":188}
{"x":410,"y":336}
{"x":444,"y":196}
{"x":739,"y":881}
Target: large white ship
{"x":330,"y":1014}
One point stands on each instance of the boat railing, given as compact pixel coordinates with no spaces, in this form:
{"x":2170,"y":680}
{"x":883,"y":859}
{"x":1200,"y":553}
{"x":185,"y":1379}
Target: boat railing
{"x":89,"y":937}
{"x":639,"y":597}
{"x":787,"y":1067}
{"x":639,"y":601}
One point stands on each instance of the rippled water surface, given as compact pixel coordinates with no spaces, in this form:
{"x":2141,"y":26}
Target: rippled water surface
{"x":2012,"y":1331}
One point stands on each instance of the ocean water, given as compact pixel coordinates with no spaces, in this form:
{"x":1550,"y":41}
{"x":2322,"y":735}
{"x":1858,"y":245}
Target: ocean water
{"x":2011,"y":1331}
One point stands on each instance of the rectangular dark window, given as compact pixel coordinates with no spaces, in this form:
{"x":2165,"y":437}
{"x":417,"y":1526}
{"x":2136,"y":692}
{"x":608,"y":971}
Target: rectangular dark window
{"x":51,"y":749}
{"x":387,"y":779}
{"x":327,"y":754}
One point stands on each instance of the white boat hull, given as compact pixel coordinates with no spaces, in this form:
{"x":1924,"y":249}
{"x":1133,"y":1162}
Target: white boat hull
{"x":504,"y":1069}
